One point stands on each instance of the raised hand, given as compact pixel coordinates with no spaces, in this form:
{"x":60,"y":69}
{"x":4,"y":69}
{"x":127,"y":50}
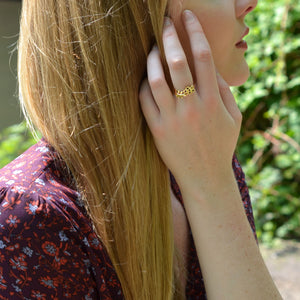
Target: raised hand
{"x":195,"y":135}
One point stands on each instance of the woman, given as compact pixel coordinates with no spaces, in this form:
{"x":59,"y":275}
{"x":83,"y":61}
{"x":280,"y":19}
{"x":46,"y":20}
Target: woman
{"x":88,"y":212}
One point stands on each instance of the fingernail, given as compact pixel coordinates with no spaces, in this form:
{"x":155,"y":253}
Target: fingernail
{"x":188,"y":16}
{"x":167,"y":21}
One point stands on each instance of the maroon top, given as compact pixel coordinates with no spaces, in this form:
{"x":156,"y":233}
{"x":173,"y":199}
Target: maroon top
{"x":48,"y":248}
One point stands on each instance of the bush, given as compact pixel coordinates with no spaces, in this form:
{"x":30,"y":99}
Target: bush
{"x":14,"y":141}
{"x":269,"y":147}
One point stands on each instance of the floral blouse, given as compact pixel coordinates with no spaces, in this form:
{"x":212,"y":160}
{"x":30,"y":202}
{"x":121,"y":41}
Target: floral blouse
{"x":48,"y":248}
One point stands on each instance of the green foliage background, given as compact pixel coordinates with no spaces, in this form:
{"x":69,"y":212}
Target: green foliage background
{"x":269,"y":147}
{"x":14,"y":140}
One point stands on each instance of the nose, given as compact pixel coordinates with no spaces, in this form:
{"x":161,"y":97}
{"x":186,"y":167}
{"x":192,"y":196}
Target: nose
{"x":243,"y":7}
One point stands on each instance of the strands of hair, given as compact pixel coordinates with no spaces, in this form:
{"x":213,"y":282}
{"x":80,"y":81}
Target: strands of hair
{"x":80,"y":66}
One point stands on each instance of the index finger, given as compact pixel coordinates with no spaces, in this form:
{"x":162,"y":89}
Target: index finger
{"x":202,"y":55}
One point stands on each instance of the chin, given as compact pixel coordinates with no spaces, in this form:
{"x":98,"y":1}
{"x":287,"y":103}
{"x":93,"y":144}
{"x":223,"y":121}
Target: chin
{"x":237,"y":77}
{"x":238,"y":81}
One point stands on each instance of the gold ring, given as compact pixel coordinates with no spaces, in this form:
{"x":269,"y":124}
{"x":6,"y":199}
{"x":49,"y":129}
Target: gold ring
{"x":185,"y":92}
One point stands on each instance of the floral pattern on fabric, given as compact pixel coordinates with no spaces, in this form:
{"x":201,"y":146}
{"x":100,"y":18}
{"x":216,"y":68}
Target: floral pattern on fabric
{"x":48,"y":249}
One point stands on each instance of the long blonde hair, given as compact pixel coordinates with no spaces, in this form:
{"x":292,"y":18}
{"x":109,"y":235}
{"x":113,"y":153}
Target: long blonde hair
{"x":80,"y":66}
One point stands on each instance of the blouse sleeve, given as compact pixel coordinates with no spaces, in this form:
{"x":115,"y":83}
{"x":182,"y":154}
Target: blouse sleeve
{"x":43,"y":253}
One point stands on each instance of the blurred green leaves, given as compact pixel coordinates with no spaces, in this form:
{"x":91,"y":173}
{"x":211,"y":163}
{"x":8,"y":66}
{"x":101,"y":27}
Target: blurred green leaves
{"x":269,"y":147}
{"x":14,"y":141}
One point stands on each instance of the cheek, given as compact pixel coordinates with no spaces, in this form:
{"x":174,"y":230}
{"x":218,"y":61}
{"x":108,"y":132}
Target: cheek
{"x":219,"y":32}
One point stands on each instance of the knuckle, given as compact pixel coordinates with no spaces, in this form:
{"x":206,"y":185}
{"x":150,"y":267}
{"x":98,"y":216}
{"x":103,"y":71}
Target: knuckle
{"x":203,"y":55}
{"x":156,"y":82}
{"x":178,"y":63}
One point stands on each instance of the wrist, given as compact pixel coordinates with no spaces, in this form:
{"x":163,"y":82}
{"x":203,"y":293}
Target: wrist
{"x":210,"y":188}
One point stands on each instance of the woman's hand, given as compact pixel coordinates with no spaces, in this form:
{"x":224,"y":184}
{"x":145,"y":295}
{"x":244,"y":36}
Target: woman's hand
{"x":195,"y":135}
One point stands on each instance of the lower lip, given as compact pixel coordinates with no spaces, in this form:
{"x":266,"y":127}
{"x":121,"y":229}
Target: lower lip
{"x":242,"y":45}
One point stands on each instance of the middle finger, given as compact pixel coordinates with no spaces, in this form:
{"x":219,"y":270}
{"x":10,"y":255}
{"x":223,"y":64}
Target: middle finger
{"x":176,"y":59}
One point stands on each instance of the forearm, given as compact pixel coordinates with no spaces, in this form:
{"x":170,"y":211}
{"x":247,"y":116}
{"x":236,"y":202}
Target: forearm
{"x":202,"y":130}
{"x":230,"y":259}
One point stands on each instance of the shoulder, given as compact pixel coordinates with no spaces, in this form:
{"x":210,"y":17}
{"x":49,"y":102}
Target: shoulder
{"x":47,"y":243}
{"x":25,"y":168}
{"x":32,"y":189}
{"x":37,"y":170}
{"x":37,"y":175}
